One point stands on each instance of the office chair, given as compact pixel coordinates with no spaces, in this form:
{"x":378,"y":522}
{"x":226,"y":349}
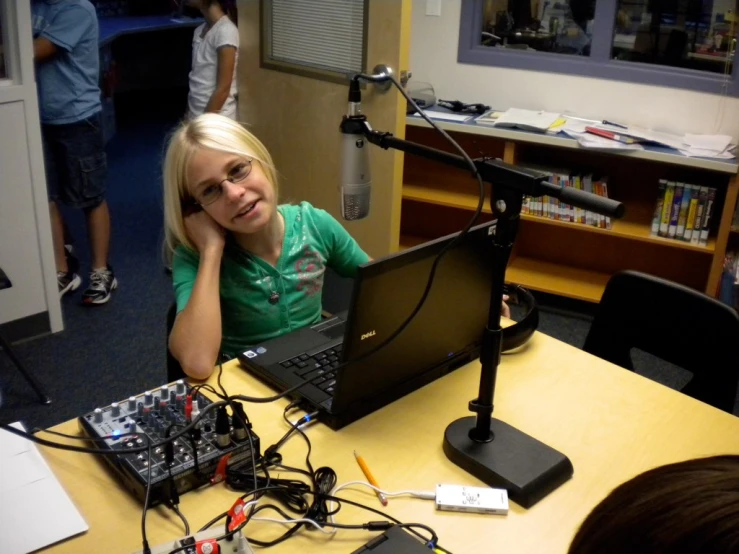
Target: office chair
{"x":5,"y":345}
{"x":675,"y":323}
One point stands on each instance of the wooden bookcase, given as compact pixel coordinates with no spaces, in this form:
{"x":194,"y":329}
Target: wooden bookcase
{"x":563,"y":258}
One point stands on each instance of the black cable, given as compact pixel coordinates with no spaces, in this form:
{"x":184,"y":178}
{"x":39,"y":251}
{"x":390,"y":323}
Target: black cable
{"x":293,"y":427}
{"x":196,"y":389}
{"x":322,"y":481}
{"x":286,"y":535}
{"x":238,"y":413}
{"x":268,"y":489}
{"x":432,"y":541}
{"x":107,"y":452}
{"x":324,"y":497}
{"x":138,"y":449}
{"x":144,"y":542}
{"x":176,"y":510}
{"x":316,"y":510}
{"x":450,"y":245}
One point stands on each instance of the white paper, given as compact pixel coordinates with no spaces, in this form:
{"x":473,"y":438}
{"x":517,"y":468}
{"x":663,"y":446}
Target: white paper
{"x":589,"y":140}
{"x":659,"y":137}
{"x":700,"y":153}
{"x":445,"y":115}
{"x":717,"y":143}
{"x":527,"y":119}
{"x":28,"y":489}
{"x":576,"y":124}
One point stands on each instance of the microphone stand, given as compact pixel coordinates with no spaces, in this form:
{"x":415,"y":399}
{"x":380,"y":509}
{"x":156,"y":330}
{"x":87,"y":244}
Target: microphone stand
{"x":491,"y":450}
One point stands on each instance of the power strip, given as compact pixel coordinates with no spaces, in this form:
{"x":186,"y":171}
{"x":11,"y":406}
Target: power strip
{"x":205,"y":543}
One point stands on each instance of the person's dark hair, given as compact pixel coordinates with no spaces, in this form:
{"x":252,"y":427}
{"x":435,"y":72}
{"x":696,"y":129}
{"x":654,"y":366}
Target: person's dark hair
{"x":682,"y":508}
{"x":228,"y":7}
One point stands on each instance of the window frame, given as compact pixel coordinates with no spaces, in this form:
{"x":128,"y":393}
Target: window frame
{"x":8,"y":38}
{"x":599,"y":64}
{"x":267,"y":62}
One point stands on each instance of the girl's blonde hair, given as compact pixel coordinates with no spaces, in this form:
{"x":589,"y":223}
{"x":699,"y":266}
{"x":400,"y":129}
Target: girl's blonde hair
{"x":215,"y":132}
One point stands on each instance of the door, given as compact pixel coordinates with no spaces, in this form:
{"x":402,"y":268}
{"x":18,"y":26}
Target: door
{"x":298,"y":120}
{"x":31,"y":306}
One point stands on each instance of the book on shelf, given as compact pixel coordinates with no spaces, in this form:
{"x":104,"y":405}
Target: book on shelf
{"x":553,"y":208}
{"x":683,"y":211}
{"x":669,"y":192}
{"x":657,"y":217}
{"x":675,"y":210}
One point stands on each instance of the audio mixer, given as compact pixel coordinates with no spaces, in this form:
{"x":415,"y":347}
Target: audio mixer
{"x":194,"y":457}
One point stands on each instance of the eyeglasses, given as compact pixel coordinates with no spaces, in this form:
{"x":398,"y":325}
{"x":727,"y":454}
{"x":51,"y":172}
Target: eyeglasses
{"x":214,"y":191}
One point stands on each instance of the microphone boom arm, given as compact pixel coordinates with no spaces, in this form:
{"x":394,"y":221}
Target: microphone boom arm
{"x":489,"y":449}
{"x":493,"y":171}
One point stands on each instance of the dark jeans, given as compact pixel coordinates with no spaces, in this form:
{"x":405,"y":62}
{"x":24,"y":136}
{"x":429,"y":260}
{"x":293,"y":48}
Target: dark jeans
{"x":76,"y":165}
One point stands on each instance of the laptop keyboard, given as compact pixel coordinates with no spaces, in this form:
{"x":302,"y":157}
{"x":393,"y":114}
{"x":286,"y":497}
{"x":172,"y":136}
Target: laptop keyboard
{"x":317,"y":368}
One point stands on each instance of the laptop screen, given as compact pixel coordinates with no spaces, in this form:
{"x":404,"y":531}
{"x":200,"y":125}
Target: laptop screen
{"x":446,"y":332}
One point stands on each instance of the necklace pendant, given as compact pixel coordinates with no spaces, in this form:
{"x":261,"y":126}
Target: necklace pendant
{"x":274,"y":298}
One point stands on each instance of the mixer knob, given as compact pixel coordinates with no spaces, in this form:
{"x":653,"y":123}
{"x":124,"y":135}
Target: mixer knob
{"x":131,"y":403}
{"x":139,"y":409}
{"x":115,"y":409}
{"x":180,"y":386}
{"x":97,"y":415}
{"x":172,"y":397}
{"x":148,"y":398}
{"x":157,"y":402}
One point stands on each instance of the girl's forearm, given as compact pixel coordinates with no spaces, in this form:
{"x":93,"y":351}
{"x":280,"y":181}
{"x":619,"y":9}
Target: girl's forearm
{"x":195,"y":340}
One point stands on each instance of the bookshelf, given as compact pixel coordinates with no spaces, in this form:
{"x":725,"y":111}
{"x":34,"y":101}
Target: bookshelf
{"x":565,"y":258}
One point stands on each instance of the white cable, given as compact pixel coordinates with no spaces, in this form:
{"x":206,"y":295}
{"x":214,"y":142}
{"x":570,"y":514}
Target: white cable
{"x":425,"y":495}
{"x":290,"y":521}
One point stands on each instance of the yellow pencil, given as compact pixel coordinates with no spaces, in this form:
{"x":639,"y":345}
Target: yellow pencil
{"x":368,"y":475}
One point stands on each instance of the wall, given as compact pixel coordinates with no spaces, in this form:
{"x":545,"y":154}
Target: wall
{"x":434,"y":59}
{"x":26,"y":252}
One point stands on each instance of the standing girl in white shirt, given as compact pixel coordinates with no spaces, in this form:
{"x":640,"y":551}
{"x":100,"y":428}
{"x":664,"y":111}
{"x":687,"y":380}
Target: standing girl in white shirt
{"x":215,"y":51}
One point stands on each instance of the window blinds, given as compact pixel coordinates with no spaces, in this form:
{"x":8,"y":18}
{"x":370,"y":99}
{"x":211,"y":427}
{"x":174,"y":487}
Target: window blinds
{"x":321,"y":34}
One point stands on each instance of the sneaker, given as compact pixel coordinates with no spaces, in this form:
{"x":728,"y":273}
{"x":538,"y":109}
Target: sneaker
{"x":68,"y":282}
{"x":73,"y":264}
{"x":102,"y":284}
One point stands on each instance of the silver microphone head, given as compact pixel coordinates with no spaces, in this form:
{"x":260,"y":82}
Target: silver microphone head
{"x":356,"y":181}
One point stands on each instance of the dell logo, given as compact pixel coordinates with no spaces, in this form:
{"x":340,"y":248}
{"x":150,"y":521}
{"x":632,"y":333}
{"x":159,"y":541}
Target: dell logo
{"x":367,"y":335}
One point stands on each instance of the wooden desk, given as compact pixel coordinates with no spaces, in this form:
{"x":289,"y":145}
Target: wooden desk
{"x":612,"y":424}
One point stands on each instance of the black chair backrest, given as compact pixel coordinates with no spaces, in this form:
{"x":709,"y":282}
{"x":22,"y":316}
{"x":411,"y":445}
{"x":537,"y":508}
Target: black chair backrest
{"x":675,"y":323}
{"x":174,"y":369}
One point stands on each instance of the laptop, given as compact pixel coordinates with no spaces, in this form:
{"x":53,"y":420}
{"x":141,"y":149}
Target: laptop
{"x":443,"y":336}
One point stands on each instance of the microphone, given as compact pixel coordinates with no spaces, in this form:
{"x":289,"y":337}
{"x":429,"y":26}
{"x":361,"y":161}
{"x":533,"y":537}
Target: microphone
{"x":356,"y":180}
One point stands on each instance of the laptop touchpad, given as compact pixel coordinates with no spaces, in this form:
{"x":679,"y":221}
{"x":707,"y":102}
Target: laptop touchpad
{"x":335,"y":331}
